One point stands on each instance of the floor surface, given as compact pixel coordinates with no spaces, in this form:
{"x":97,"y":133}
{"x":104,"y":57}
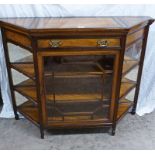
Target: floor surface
{"x":133,"y":132}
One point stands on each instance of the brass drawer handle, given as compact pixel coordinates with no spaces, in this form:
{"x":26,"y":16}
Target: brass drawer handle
{"x":102,"y":43}
{"x":55,"y":43}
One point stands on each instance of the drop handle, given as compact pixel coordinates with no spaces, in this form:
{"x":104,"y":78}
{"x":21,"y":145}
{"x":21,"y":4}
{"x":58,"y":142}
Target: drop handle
{"x":55,"y":43}
{"x":102,"y":43}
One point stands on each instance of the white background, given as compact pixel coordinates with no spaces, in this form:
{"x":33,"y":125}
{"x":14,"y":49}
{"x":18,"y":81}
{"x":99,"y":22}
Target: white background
{"x":146,"y":102}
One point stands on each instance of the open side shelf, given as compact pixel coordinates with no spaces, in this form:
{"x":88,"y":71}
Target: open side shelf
{"x":25,"y":60}
{"x":28,"y":89}
{"x":126,"y":80}
{"x":68,"y":101}
{"x":30,"y":93}
{"x":123,"y":108}
{"x":126,"y":88}
{"x":128,"y":65}
{"x":26,"y":83}
{"x":30,"y":111}
{"x":26,"y":69}
{"x":125,"y":100}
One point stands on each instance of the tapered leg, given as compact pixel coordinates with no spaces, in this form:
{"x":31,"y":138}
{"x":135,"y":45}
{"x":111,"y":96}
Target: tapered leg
{"x":16,"y":116}
{"x":7,"y":60}
{"x":15,"y":109}
{"x":140,"y":70}
{"x":133,"y":111}
{"x":41,"y":133}
{"x":113,"y":130}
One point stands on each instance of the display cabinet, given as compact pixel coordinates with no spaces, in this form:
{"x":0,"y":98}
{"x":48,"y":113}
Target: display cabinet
{"x":78,"y":71}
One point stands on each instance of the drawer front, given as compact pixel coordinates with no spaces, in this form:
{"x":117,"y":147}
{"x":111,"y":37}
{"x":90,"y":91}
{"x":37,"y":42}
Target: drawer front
{"x":68,"y":43}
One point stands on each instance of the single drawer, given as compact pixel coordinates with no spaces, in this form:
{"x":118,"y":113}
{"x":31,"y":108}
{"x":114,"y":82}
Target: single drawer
{"x":68,"y":43}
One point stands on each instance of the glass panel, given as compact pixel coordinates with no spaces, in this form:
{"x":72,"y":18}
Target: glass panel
{"x":78,"y":87}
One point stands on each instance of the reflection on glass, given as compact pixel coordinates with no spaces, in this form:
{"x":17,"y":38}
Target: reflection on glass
{"x":78,"y":87}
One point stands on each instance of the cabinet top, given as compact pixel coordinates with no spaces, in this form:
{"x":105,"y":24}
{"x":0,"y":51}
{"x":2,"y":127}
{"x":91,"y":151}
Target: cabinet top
{"x":35,"y":24}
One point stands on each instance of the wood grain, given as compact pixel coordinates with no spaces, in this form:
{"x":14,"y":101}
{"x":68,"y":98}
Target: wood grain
{"x":45,"y":43}
{"x":78,"y":36}
{"x":76,"y":22}
{"x":18,"y":38}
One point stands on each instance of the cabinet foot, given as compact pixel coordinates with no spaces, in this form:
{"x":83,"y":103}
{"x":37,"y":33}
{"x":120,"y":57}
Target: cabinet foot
{"x":16,"y":117}
{"x":42,"y":133}
{"x":133,"y":111}
{"x":113,"y":129}
{"x":113,"y":132}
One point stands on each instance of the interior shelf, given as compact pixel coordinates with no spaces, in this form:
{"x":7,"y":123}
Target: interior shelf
{"x":67,"y":111}
{"x":30,"y":93}
{"x":30,"y":111}
{"x":75,"y":69}
{"x":28,"y":89}
{"x":79,"y":111}
{"x":78,"y":70}
{"x":85,"y":69}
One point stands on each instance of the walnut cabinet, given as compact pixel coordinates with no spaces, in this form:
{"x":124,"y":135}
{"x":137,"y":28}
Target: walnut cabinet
{"x":78,"y":72}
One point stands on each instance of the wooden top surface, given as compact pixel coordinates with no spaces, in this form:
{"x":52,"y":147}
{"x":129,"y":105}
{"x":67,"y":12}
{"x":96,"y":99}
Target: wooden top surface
{"x":38,"y":23}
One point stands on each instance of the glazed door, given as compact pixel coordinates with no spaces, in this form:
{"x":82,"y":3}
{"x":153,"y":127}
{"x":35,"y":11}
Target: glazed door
{"x":78,"y":88}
